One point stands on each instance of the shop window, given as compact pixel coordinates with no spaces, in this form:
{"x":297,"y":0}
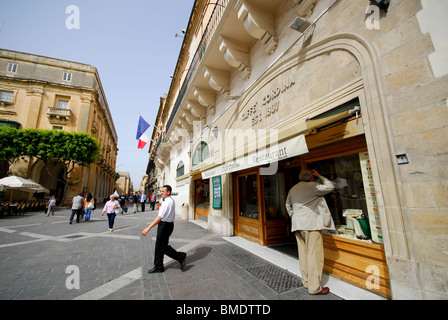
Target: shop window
{"x":274,"y":196}
{"x":248,"y":196}
{"x":353,"y":202}
{"x":201,"y":153}
{"x":202,"y":195}
{"x":180,"y":171}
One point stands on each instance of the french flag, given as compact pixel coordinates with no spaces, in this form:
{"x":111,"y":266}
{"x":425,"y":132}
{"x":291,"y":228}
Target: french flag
{"x":141,"y":136}
{"x":143,"y":141}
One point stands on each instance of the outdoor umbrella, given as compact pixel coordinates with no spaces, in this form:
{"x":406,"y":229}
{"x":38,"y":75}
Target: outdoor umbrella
{"x":18,"y":183}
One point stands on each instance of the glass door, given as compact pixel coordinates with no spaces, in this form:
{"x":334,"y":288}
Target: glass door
{"x":247,"y":206}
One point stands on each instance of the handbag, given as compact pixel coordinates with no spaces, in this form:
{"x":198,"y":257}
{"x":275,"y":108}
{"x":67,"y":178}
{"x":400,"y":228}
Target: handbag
{"x":118,"y":210}
{"x":91,"y":205}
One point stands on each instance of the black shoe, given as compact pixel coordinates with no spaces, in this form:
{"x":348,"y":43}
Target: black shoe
{"x":182,"y":261}
{"x":156,"y":270}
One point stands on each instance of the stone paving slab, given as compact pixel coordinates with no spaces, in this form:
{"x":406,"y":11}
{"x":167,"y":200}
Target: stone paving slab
{"x":37,"y":252}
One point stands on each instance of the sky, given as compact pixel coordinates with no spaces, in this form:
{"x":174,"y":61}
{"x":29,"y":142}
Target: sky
{"x":132,"y":44}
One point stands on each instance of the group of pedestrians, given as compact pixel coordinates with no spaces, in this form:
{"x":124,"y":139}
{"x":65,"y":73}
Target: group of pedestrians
{"x":141,"y":198}
{"x":116,"y":205}
{"x":80,"y":205}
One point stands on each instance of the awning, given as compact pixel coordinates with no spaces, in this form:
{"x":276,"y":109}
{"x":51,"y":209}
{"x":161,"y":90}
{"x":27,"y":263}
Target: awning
{"x":290,"y":148}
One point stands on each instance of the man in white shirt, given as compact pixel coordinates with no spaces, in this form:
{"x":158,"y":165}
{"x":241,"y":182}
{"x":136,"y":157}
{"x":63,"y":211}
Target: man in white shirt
{"x":142,"y":201}
{"x":165,"y":222}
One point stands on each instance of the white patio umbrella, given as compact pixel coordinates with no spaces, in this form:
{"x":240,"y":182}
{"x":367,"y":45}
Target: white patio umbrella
{"x":18,"y":183}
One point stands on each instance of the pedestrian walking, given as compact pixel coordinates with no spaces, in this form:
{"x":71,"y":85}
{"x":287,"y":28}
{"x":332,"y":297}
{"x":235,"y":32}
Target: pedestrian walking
{"x":142,"y":201}
{"x":135,"y":202}
{"x":165,"y":227}
{"x":152,"y":200}
{"x":51,"y":204}
{"x":309,"y":216}
{"x":109,"y":209}
{"x":123,"y":203}
{"x":77,"y":203}
{"x":89,"y":205}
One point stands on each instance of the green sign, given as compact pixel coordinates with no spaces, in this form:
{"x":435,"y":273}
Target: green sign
{"x":217,"y":192}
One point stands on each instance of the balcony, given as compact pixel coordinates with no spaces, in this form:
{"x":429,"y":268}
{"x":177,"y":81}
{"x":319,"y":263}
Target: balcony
{"x":58,"y":116}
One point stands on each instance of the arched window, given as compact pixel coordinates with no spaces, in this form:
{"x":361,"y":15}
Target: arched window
{"x":180,"y":171}
{"x":200,"y":153}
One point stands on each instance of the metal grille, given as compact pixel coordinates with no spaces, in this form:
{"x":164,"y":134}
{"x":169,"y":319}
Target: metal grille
{"x":276,"y":278}
{"x":240,"y":257}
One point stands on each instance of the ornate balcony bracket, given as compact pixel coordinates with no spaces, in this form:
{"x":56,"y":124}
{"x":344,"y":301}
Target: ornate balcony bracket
{"x":259,"y":23}
{"x":189,"y":117}
{"x":184,"y":124}
{"x":197,"y":110}
{"x":217,"y":79}
{"x":236,"y":55}
{"x":205,"y":97}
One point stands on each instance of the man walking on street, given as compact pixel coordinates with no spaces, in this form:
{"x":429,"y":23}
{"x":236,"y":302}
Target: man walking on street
{"x":135,"y":202}
{"x":142,"y":201}
{"x":309,"y":216}
{"x":165,"y":222}
{"x":77,"y":203}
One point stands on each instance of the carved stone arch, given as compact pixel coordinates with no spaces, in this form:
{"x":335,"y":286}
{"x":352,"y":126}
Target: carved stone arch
{"x":377,"y":129}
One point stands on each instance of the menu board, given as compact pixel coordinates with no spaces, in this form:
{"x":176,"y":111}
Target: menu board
{"x":217,"y":192}
{"x":370,"y":194}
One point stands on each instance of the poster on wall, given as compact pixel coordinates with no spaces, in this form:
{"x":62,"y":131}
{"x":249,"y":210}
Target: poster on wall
{"x":217,"y":192}
{"x":370,"y":194}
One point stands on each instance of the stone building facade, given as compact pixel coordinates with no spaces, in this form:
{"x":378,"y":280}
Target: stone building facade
{"x":263,"y":89}
{"x":47,"y":93}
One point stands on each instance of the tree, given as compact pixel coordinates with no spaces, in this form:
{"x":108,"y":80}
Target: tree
{"x":8,"y":145}
{"x":70,"y":149}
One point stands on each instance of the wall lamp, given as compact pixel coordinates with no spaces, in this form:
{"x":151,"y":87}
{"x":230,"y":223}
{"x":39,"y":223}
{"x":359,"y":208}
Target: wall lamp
{"x":382,"y":4}
{"x":300,"y":24}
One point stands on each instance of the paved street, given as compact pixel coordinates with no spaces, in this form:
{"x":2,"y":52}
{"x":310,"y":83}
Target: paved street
{"x":47,"y":258}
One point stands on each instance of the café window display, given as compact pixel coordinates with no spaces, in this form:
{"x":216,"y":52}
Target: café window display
{"x":248,"y":196}
{"x":353,"y":202}
{"x":202,"y":200}
{"x":274,"y":196}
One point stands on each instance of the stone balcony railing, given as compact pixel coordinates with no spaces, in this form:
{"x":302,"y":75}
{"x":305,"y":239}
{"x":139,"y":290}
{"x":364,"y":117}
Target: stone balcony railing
{"x":58,"y":116}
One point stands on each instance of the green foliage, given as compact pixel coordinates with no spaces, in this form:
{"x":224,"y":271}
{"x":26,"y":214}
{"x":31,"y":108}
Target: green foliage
{"x":75,"y":148}
{"x":8,"y":144}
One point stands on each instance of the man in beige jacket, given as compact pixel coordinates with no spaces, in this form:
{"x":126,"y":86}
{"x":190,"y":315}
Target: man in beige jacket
{"x":310,"y":215}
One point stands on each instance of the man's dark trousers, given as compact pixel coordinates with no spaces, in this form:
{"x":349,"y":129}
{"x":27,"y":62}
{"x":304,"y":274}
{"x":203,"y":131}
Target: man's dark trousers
{"x":164,"y":231}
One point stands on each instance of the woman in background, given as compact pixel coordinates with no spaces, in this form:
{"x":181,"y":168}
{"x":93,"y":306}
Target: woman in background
{"x":109,"y":208}
{"x":88,"y":206}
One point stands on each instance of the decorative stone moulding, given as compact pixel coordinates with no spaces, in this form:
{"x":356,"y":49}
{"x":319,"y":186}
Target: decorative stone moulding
{"x":236,"y":55}
{"x":259,"y":23}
